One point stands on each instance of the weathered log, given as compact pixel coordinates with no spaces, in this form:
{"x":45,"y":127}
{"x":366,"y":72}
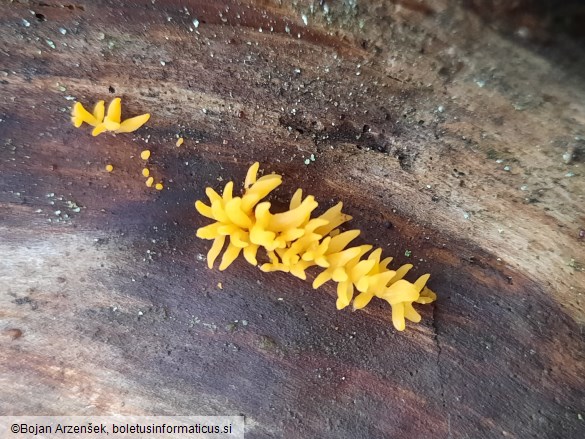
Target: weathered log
{"x":446,"y":141}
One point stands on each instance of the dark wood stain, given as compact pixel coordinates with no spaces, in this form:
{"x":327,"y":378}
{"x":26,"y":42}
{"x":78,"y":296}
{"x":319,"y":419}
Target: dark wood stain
{"x":110,"y":309}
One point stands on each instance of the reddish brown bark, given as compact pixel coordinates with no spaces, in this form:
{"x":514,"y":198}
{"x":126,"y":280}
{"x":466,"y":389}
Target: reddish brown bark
{"x":442,"y":137}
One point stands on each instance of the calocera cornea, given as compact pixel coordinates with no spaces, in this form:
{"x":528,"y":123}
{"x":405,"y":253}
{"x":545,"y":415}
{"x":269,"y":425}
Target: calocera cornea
{"x":295,"y":241}
{"x":106,"y":121}
{"x":112,"y":121}
{"x":145,"y":155}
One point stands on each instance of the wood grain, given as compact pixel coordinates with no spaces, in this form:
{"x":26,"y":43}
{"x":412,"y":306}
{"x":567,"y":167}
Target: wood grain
{"x":441,"y":136}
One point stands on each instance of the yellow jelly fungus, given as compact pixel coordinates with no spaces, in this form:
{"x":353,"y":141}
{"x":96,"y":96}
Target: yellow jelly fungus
{"x":98,"y":130}
{"x":79,"y":115}
{"x":109,"y":168}
{"x":114,"y":115}
{"x":145,"y":172}
{"x":179,"y":141}
{"x":144,"y":155}
{"x":132,"y":124}
{"x":294,"y":241}
{"x":159,"y":186}
{"x":99,"y":111}
{"x":149,"y":181}
{"x":110,"y":121}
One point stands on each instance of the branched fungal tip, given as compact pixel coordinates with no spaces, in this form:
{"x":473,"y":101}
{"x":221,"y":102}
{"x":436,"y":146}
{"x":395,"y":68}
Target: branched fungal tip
{"x":110,"y":121}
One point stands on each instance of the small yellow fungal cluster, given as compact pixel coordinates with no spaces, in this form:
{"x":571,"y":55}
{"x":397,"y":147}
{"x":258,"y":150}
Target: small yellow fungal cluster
{"x":110,"y":121}
{"x":145,"y":155}
{"x":294,"y":242}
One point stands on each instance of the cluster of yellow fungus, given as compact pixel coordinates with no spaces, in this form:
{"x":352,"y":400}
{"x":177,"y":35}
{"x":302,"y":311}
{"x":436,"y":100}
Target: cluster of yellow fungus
{"x":110,"y":121}
{"x":145,"y":155}
{"x":294,"y":241}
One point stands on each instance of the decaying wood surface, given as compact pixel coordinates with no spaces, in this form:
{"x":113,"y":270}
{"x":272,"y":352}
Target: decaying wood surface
{"x":444,"y":139}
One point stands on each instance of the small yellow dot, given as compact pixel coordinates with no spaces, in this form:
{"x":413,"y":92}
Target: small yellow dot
{"x":180,"y":141}
{"x":145,"y":172}
{"x":144,"y":155}
{"x":109,"y":168}
{"x":149,"y":181}
{"x":159,"y":187}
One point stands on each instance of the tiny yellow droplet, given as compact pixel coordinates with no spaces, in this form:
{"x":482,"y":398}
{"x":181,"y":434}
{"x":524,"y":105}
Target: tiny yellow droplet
{"x":149,"y":181}
{"x":144,"y":155}
{"x":158,"y":186}
{"x":145,"y":172}
{"x":180,"y":141}
{"x":109,"y":168}
{"x":220,"y":286}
